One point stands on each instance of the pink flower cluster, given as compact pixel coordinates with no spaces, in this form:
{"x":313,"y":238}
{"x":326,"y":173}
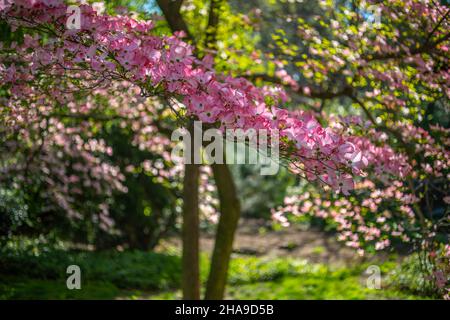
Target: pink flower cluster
{"x":65,"y":160}
{"x":110,"y":48}
{"x":383,"y":158}
{"x":362,"y":222}
{"x":387,"y":205}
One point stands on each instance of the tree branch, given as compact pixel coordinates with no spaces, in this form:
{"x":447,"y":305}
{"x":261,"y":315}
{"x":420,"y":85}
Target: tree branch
{"x":171,"y":11}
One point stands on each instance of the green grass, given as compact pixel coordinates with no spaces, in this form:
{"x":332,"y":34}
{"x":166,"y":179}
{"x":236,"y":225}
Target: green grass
{"x":30,"y":271}
{"x":252,"y":278}
{"x":313,"y":287}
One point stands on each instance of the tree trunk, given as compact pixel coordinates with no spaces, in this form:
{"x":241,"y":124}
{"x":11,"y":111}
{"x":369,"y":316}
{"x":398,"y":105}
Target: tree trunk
{"x":190,"y":278}
{"x":229,"y":217}
{"x":230,"y":208}
{"x":190,"y":230}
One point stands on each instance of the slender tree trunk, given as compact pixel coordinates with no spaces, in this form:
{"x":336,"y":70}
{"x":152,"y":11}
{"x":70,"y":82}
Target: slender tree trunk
{"x":229,"y":217}
{"x":229,"y":203}
{"x":190,"y":278}
{"x":190,"y":230}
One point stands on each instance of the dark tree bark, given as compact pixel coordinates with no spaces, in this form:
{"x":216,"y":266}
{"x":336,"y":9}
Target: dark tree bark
{"x":190,"y":231}
{"x":171,"y":11}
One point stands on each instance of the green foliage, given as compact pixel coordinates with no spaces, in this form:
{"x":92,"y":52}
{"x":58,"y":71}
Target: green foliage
{"x":147,"y":211}
{"x":236,"y":39}
{"x":13,"y":212}
{"x":414,"y":275}
{"x":258,"y":193}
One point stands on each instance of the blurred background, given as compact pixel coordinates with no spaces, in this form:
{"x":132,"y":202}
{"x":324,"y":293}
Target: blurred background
{"x":121,"y":221}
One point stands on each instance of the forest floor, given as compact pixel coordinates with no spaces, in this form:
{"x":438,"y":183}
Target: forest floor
{"x":254,"y":239}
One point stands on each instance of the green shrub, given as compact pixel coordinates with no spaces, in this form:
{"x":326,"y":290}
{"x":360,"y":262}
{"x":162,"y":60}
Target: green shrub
{"x":130,"y":269}
{"x":414,"y":275}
